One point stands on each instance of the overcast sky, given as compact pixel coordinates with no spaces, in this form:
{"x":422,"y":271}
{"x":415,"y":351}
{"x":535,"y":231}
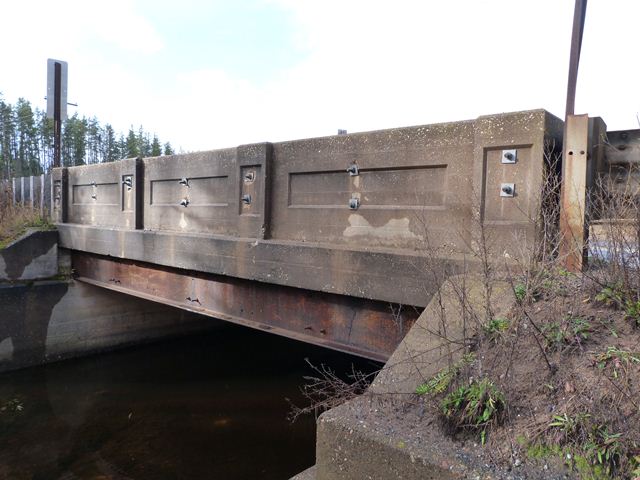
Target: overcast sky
{"x":209,"y":74}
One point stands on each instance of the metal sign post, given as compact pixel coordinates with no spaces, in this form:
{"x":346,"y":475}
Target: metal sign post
{"x":573,"y":204}
{"x":57,"y":102}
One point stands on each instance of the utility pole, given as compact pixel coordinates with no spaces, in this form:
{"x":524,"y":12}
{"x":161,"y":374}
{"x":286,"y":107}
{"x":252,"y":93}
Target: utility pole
{"x":57,"y":102}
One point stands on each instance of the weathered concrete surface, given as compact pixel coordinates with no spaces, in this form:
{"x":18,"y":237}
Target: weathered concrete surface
{"x":280,"y":213}
{"x":398,"y":276}
{"x":437,"y":339}
{"x":33,"y":256}
{"x":308,"y":474}
{"x":51,"y":320}
{"x":382,"y":435}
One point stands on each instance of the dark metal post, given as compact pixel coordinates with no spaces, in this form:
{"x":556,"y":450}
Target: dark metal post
{"x":57,"y":123}
{"x":579,"y":15}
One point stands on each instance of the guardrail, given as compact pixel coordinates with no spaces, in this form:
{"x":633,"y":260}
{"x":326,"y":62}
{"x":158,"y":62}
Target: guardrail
{"x":33,"y":191}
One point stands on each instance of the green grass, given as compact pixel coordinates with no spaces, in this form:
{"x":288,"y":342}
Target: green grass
{"x":475,"y":406}
{"x":440,"y":382}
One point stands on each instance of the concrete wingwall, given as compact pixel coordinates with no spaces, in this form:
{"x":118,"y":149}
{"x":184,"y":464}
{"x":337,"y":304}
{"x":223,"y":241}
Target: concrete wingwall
{"x":45,"y":321}
{"x":326,"y":213}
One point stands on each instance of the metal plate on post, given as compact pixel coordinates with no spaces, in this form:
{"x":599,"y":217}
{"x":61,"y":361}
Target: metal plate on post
{"x":62,"y":87}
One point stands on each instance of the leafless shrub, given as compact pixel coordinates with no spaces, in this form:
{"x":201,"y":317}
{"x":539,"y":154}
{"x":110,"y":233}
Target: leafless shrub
{"x":327,"y":390}
{"x":615,"y":235}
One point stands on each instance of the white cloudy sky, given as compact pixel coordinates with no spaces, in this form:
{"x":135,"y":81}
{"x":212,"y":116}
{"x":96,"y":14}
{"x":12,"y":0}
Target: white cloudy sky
{"x":208,"y":74}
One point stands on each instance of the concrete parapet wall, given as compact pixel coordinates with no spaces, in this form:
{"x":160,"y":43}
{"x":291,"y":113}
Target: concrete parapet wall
{"x":408,"y":182}
{"x":393,"y":193}
{"x":49,"y":321}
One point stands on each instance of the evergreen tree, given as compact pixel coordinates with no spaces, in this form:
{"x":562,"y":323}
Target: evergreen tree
{"x":94,"y":139}
{"x":110,"y":150}
{"x":156,"y":148}
{"x":131,"y":145}
{"x":26,"y":141}
{"x":7,"y":139}
{"x":144,"y":146}
{"x":27,"y":149}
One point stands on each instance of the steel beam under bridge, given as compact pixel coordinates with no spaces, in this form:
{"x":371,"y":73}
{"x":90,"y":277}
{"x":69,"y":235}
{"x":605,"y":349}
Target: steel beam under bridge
{"x":368,"y":328}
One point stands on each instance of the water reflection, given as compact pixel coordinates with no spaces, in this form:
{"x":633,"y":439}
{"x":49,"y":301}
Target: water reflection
{"x":209,"y":406}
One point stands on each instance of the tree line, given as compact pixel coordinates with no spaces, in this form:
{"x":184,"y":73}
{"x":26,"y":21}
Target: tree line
{"x":26,"y":141}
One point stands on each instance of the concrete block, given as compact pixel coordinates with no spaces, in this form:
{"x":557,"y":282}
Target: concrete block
{"x":374,"y":436}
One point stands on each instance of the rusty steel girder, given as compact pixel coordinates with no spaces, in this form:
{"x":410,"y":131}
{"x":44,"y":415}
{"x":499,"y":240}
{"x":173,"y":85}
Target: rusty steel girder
{"x":367,"y":328}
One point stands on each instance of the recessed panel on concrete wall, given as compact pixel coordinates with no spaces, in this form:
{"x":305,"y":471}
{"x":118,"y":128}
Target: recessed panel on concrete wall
{"x":511,"y":189}
{"x":251,"y":190}
{"x":192,"y":193}
{"x":99,"y":195}
{"x":95,"y":194}
{"x":203,"y":191}
{"x":514,"y":207}
{"x":420,"y":187}
{"x":128,"y":193}
{"x":400,"y":188}
{"x":315,"y":189}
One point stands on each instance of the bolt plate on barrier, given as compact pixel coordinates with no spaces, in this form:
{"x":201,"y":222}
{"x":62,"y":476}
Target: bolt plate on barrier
{"x":507,"y":189}
{"x":509,"y":156}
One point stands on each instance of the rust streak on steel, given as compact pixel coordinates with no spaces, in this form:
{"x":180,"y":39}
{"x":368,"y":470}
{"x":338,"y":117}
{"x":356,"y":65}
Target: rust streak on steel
{"x":573,"y":227}
{"x":368,"y":328}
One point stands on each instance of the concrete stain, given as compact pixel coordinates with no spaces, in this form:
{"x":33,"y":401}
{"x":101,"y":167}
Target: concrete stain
{"x":28,"y":309}
{"x":394,"y":229}
{"x":21,"y":253}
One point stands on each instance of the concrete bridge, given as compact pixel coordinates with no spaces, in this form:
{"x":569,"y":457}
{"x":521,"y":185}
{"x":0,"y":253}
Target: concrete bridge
{"x":338,"y":241}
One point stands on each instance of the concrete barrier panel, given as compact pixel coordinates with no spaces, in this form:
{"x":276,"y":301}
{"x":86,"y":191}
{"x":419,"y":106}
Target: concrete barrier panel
{"x":103,"y":194}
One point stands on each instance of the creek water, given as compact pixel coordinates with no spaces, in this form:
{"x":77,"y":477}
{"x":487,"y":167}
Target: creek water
{"x":209,"y":406}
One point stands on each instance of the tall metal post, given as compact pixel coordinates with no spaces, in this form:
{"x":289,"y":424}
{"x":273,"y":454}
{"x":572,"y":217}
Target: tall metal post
{"x":573,"y":202}
{"x":579,"y":15}
{"x":57,"y":118}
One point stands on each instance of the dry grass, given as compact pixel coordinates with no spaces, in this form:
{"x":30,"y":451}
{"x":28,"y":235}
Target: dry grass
{"x":16,"y":219}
